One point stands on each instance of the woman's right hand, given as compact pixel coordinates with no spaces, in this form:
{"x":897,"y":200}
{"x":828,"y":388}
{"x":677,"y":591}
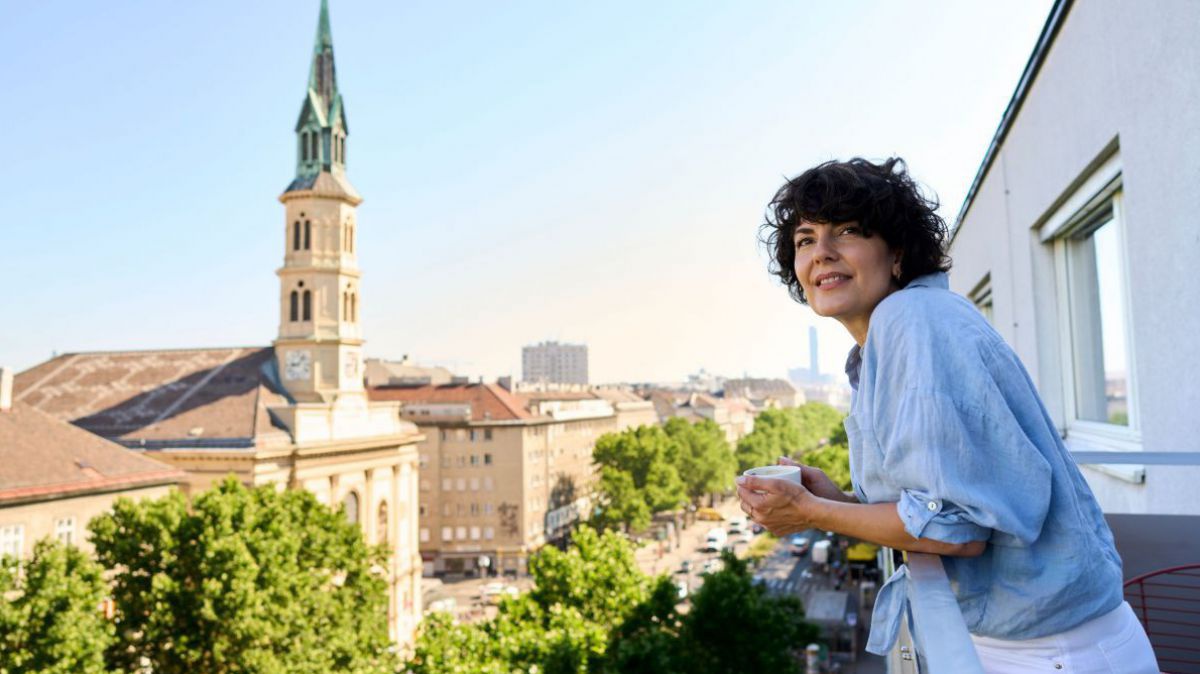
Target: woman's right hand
{"x":816,"y":481}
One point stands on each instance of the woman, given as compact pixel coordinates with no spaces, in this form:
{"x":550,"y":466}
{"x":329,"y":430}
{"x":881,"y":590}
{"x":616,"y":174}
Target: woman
{"x":951,"y":449}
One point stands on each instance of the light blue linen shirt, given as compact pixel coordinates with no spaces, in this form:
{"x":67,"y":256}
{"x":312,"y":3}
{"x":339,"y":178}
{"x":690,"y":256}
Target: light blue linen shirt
{"x":946,"y":423}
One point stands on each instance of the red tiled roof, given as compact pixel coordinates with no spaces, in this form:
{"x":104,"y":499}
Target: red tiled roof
{"x":488,"y":401}
{"x":46,"y":458}
{"x":186,"y":394}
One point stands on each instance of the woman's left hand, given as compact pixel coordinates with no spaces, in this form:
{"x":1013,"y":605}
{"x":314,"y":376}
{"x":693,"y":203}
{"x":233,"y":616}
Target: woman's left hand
{"x":783,"y":506}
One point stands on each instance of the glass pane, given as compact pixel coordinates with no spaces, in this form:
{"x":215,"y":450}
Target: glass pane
{"x":1098,"y":325}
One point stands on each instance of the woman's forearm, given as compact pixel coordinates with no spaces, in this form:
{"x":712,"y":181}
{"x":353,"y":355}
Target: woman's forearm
{"x":880,"y":523}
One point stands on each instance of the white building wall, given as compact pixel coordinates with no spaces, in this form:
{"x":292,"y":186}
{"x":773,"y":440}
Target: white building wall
{"x":1124,"y":73}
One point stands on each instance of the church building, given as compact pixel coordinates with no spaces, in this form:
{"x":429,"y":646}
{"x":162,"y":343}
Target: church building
{"x":295,"y":413}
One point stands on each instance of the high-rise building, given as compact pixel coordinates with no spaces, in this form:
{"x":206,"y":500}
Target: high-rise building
{"x":555,"y":363}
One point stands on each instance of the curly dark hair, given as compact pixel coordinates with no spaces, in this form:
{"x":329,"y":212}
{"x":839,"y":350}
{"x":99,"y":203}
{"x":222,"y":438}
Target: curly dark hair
{"x":882,"y":198}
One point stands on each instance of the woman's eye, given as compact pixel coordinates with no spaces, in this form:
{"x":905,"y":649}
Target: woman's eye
{"x":851,"y":230}
{"x":800,"y":243}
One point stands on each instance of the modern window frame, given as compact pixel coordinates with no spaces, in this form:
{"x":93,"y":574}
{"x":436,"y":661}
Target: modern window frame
{"x":1101,"y":191}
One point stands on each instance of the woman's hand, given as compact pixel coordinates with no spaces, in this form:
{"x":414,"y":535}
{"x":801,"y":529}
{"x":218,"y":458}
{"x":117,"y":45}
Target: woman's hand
{"x":782,"y":506}
{"x":816,"y":481}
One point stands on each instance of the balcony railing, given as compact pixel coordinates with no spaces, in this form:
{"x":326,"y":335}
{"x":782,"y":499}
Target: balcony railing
{"x":1167,"y":601}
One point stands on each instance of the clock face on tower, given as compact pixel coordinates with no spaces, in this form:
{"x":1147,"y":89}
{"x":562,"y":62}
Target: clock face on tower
{"x":297,"y":364}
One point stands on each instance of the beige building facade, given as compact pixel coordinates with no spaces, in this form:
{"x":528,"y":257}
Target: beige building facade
{"x":501,"y":474}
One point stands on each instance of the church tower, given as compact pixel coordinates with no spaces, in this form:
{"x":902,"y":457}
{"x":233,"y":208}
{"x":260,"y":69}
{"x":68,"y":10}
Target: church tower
{"x":319,"y":347}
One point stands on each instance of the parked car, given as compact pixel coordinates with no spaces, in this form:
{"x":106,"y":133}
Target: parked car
{"x":799,"y":545}
{"x":681,"y":589}
{"x":821,"y":552}
{"x":685,"y":566}
{"x":709,"y":515}
{"x":737,"y":525}
{"x":713,"y":566}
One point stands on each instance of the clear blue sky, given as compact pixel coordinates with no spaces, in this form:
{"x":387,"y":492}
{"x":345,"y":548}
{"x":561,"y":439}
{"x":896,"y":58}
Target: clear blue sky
{"x":588,"y":172}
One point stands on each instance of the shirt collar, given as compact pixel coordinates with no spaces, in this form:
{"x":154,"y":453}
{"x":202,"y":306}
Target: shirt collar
{"x":938,"y":279}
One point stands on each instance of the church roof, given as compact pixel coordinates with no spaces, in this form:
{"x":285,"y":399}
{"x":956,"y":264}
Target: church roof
{"x":178,"y":398}
{"x":46,"y":458}
{"x":324,"y":184}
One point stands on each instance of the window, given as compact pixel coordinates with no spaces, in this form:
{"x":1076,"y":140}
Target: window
{"x":489,"y":533}
{"x":981,"y":296}
{"x":294,"y":314}
{"x":445,"y":460}
{"x":474,"y":458}
{"x":474,"y":484}
{"x":487,"y":434}
{"x":487,"y":458}
{"x":312,"y":137}
{"x":350,"y":507}
{"x":1099,"y":388}
{"x":12,"y":540}
{"x":424,"y":485}
{"x":447,"y":485}
{"x":64,"y":530}
{"x":461,"y":483}
{"x":445,"y":510}
{"x":307,"y":305}
{"x":474,"y":533}
{"x":296,"y":235}
{"x":472,"y":435}
{"x":423,"y":460}
{"x":447,"y":534}
{"x":474,"y":509}
{"x":422,"y":510}
{"x":487,"y":508}
{"x":304,"y":145}
{"x":487,"y":482}
{"x":424,"y":534}
{"x":381,"y":523}
{"x":460,"y":533}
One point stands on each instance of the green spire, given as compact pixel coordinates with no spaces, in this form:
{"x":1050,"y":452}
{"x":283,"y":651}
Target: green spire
{"x":321,"y":129}
{"x":322,"y":77}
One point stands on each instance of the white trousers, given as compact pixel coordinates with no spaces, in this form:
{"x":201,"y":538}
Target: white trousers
{"x":1114,"y":643}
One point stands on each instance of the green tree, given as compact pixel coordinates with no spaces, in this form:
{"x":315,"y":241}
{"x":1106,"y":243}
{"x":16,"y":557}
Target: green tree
{"x":789,"y":432}
{"x":50,"y":620}
{"x":247,"y":580}
{"x":645,"y":454}
{"x":834,"y":460}
{"x":704,"y":459}
{"x":735,"y":627}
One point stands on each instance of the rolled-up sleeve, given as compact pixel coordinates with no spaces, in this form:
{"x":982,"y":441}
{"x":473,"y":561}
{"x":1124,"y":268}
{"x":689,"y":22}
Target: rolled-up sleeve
{"x":952,"y":450}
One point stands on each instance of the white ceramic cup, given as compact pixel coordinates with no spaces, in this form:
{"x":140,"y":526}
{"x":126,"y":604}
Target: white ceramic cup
{"x":790,"y":473}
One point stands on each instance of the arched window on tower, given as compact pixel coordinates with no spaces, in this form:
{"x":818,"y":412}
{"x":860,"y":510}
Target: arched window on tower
{"x":307,"y":305}
{"x":354,"y":307}
{"x":343,"y":149}
{"x":307,"y":234}
{"x":345,"y":305}
{"x":296,"y":235}
{"x":381,"y":524}
{"x":303,"y":146}
{"x":312,"y":139}
{"x":294,"y":314}
{"x":350,"y":244}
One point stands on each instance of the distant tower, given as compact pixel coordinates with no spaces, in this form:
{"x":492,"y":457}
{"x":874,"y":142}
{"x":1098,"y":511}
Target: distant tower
{"x":320,"y":341}
{"x":814,"y":362}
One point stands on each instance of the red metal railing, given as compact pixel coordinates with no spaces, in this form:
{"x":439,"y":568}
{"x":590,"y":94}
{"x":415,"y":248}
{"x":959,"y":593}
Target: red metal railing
{"x":1167,"y":602}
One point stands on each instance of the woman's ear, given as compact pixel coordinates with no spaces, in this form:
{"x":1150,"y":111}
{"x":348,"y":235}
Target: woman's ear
{"x":897,"y":268}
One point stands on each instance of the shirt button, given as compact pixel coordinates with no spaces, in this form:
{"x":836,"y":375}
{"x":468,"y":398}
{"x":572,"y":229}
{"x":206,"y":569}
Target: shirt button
{"x":1058,"y":665}
{"x":932,"y":506}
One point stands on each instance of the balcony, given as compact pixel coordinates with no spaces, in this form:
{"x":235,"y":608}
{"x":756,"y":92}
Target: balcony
{"x":1166,"y":600}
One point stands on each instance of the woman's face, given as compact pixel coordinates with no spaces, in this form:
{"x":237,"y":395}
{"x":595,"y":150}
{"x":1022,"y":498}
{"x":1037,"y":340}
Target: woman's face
{"x":843,"y":273}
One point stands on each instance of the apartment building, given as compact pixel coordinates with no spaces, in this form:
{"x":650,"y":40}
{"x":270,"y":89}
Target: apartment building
{"x":500,"y":473}
{"x":1078,"y":242}
{"x":555,"y":363}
